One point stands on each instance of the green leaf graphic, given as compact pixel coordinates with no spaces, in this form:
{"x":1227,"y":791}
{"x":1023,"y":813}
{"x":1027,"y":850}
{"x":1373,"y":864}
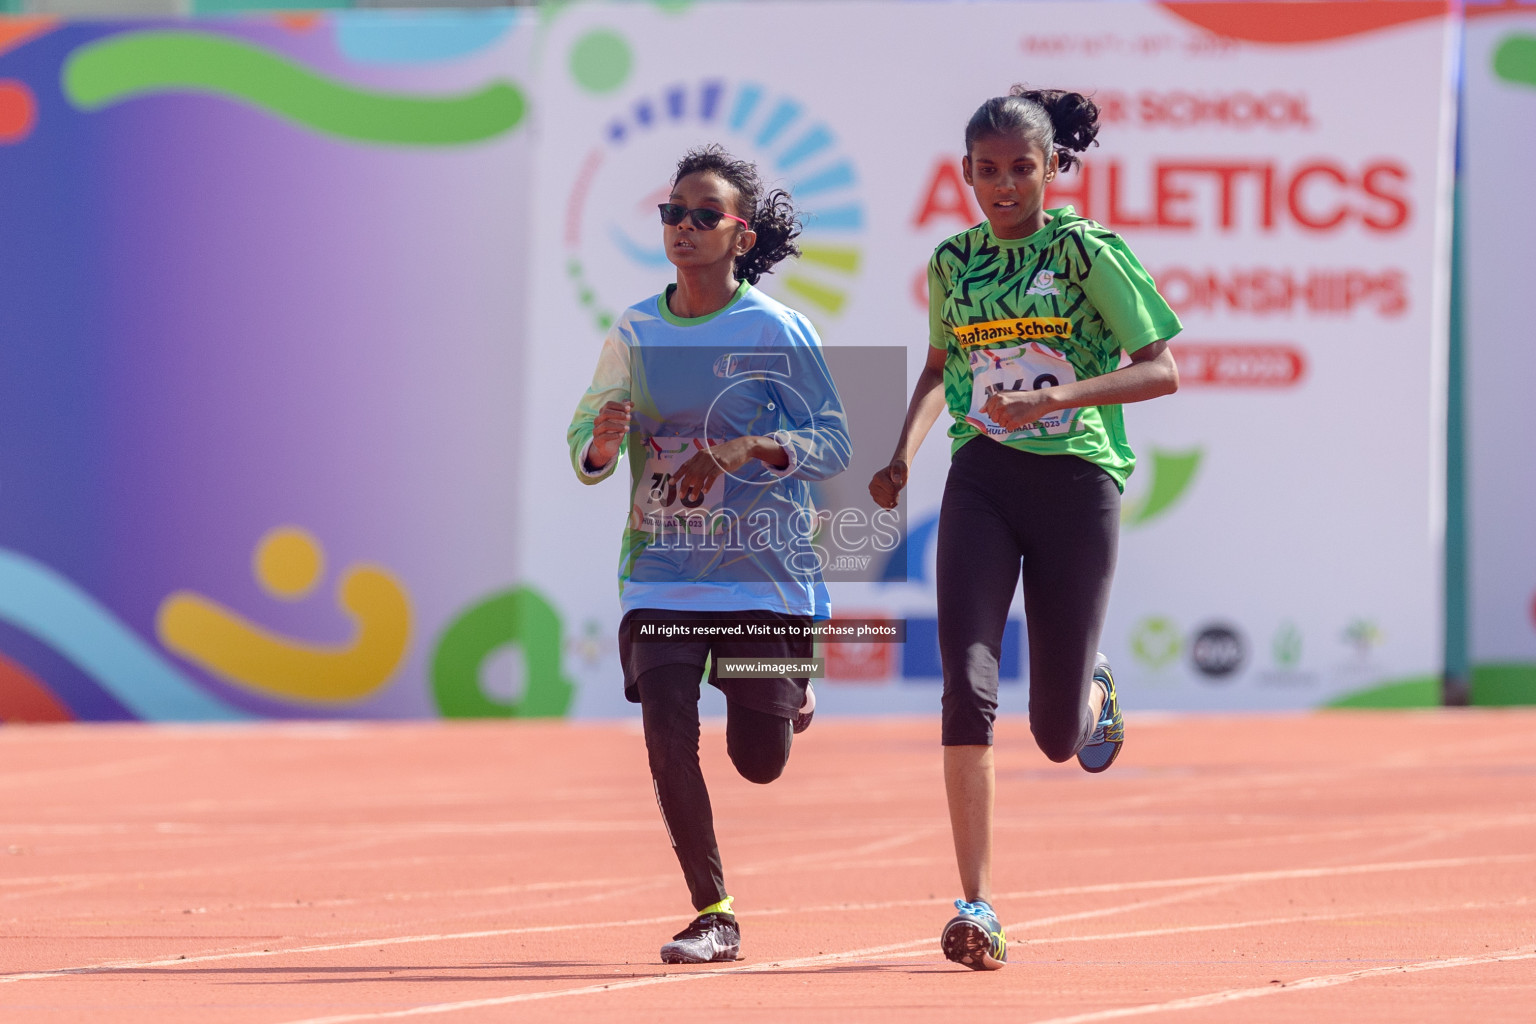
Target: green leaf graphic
{"x":1172,"y":473}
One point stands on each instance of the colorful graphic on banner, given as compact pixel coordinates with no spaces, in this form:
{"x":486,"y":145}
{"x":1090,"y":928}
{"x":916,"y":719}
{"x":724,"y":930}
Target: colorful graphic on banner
{"x":610,"y":230}
{"x":1297,"y":224}
{"x":296,"y":311}
{"x":260,"y":273}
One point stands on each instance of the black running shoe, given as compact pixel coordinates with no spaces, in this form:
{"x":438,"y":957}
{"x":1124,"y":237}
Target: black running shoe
{"x":974,"y":937}
{"x":803,"y":716}
{"x":709,"y":938}
{"x":1104,"y":745}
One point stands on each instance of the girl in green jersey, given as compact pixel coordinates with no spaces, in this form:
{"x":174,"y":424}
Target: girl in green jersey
{"x":1029,"y":315}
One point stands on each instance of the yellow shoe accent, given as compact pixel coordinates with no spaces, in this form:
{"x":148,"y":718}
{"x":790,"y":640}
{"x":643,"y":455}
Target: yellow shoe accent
{"x":723,"y":907}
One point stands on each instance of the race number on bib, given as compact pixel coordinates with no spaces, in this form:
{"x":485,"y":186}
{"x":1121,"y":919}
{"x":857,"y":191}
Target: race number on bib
{"x":657,"y":506}
{"x":1028,"y":367}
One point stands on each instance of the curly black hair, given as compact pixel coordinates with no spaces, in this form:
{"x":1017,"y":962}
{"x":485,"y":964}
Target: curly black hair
{"x":772,"y":216}
{"x":1054,"y":118}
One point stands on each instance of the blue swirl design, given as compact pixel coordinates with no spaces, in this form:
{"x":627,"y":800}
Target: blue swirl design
{"x":38,"y":600}
{"x":420,"y":37}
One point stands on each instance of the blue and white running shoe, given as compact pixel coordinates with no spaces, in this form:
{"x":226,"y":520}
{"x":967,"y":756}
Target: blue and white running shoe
{"x":974,"y":937}
{"x":1104,"y":745}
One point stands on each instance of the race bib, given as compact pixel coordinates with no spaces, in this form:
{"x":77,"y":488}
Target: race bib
{"x":1028,"y":367}
{"x":657,"y":506}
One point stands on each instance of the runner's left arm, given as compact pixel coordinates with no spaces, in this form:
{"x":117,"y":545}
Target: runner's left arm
{"x":1139,"y":320}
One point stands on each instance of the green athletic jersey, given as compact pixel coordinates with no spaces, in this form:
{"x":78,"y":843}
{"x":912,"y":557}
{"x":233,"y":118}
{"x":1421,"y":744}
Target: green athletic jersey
{"x":1058,"y":306}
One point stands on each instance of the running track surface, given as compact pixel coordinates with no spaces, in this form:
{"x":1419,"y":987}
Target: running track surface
{"x":1347,"y":866}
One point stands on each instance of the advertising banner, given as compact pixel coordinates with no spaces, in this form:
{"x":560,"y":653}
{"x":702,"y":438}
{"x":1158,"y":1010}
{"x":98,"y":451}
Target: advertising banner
{"x":295,"y":311}
{"x":261,"y":284}
{"x":1284,"y":174}
{"x":1499,"y":309}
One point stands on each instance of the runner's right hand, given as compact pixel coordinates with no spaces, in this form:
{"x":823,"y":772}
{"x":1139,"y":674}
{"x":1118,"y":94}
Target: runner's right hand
{"x":608,"y":432}
{"x":885,"y":486}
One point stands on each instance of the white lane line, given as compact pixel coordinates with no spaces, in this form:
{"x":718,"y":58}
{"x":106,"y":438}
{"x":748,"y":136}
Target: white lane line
{"x":326,"y":855}
{"x":432,"y":1009}
{"x":1223,"y":926}
{"x":863,"y":864}
{"x":1112,"y":887}
{"x":112,"y":966}
{"x":656,"y":979}
{"x":1281,"y":874}
{"x":914,"y":945}
{"x":1204,"y":782}
{"x":1318,"y":981}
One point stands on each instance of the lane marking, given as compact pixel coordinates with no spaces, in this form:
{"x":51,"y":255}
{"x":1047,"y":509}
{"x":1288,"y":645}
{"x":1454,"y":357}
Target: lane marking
{"x":113,"y":966}
{"x":270,"y":861}
{"x":1187,"y":929}
{"x":1318,"y":981}
{"x":1112,"y":887}
{"x":1280,"y":874}
{"x":432,"y":1009}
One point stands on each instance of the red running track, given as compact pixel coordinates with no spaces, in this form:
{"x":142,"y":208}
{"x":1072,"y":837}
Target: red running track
{"x":1347,"y":866}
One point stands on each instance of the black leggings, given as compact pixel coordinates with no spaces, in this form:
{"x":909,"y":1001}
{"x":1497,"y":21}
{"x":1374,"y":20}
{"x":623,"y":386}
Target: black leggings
{"x":758,"y":744}
{"x":1056,"y":518}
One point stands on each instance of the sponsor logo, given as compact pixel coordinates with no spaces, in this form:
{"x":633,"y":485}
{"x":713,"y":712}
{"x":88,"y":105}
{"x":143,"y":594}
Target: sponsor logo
{"x":1363,"y":636}
{"x":1045,"y":284}
{"x":1218,"y":651}
{"x":859,"y":661}
{"x":1032,"y":328}
{"x":613,"y":237}
{"x":1156,"y":642}
{"x":1286,"y":647}
{"x":1285,"y":650}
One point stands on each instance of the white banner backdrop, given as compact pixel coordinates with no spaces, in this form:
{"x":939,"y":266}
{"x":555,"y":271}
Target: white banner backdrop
{"x":1282,"y":541}
{"x":1499,"y":331}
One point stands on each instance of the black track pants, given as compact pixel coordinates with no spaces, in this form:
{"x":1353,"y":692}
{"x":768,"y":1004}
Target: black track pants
{"x":758,"y":744}
{"x":1056,"y":519}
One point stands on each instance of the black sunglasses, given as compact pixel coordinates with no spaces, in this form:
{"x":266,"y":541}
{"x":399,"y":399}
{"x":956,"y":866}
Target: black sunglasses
{"x":703,"y":218}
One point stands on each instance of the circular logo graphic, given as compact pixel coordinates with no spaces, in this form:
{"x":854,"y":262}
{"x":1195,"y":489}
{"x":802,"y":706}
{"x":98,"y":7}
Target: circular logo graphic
{"x":1156,"y":642}
{"x":1218,"y":651}
{"x":612,"y":233}
{"x":1045,"y":279}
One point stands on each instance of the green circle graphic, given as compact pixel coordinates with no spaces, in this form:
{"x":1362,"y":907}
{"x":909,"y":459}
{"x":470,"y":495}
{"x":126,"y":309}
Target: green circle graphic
{"x":601,"y":60}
